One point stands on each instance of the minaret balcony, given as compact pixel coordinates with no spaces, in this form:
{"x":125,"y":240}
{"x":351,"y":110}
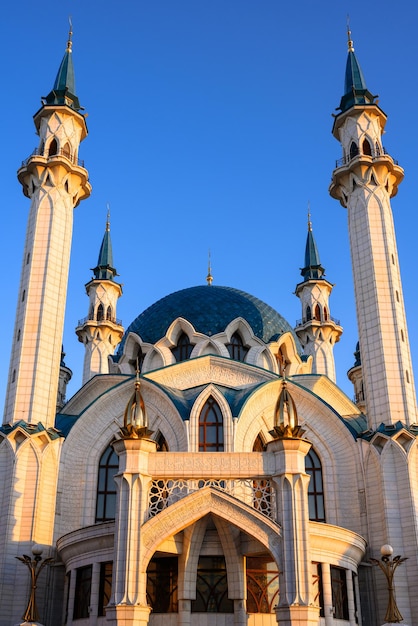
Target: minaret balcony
{"x":59,"y":153}
{"x":90,"y":318}
{"x":313,"y":320}
{"x":368,"y":157}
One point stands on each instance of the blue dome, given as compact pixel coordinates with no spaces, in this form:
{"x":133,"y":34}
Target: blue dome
{"x":209,"y":309}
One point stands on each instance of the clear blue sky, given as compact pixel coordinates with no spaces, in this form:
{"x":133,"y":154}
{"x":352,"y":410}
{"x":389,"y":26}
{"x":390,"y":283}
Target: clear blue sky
{"x":209,"y":127}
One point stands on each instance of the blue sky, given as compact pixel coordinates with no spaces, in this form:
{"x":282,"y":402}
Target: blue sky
{"x":209,"y":127}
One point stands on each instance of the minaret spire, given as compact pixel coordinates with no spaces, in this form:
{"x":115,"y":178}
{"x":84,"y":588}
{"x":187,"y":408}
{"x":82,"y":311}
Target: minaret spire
{"x":209,"y":277}
{"x":364,"y":181}
{"x":55,"y":182}
{"x":101,"y":331}
{"x":317,"y":330}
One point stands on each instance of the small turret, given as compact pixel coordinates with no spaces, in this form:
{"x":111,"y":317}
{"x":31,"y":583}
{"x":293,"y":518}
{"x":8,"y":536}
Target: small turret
{"x":101,"y":331}
{"x":317,"y":330}
{"x":355,"y":375}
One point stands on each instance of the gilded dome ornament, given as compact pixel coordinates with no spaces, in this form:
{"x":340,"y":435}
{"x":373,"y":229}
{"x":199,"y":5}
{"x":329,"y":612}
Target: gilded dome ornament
{"x":286,"y":423}
{"x":135,"y":419}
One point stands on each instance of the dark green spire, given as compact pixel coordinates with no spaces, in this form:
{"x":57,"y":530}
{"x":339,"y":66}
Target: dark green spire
{"x":104,"y":269}
{"x":355,"y":90}
{"x":313,"y":269}
{"x":63,"y":91}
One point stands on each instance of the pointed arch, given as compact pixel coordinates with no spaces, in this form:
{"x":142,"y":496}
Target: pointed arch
{"x":183,"y":349}
{"x":317,"y":315}
{"x":308,"y":313}
{"x":367,"y":149}
{"x":109,"y":315}
{"x":196,"y":415}
{"x":194,"y":507}
{"x":53,"y":148}
{"x":236,"y":347}
{"x":313,"y":467}
{"x":211,"y":428}
{"x":106,"y":486}
{"x":100,"y":313}
{"x":353,"y":150}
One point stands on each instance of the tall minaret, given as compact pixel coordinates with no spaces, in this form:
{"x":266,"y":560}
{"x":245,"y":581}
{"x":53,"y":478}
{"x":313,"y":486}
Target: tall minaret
{"x":101,"y":331}
{"x":318,"y":331}
{"x":55,"y":181}
{"x":364,"y":181}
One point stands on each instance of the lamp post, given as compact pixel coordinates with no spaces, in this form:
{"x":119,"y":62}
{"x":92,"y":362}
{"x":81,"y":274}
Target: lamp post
{"x":35,"y":567}
{"x":388,"y":567}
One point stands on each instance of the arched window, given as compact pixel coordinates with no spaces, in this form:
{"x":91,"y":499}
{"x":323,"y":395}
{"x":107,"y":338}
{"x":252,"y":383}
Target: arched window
{"x":317,"y":313}
{"x":325,"y":313}
{"x":353,"y":150}
{"x":109,"y":313}
{"x":259,"y":445}
{"x":367,"y":149}
{"x":162,"y":445}
{"x":212,"y":587}
{"x":53,"y":148}
{"x":183,"y":349}
{"x":316,"y":489}
{"x":106,"y":486}
{"x":262,"y":584}
{"x":237,"y":350}
{"x":308,"y":313}
{"x":162,"y":576}
{"x":211,"y":431}
{"x":66,"y":151}
{"x":100,"y":313}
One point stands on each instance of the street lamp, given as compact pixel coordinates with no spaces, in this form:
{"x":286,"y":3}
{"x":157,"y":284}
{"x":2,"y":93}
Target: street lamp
{"x":388,"y":567}
{"x":35,"y":567}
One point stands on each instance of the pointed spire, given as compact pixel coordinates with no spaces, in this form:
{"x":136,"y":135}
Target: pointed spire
{"x":355,"y":89}
{"x":104,"y":269}
{"x":313,"y":269}
{"x":209,"y":277}
{"x":63,"y":91}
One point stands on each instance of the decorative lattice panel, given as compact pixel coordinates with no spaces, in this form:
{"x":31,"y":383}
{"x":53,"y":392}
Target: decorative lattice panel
{"x":256,"y":492}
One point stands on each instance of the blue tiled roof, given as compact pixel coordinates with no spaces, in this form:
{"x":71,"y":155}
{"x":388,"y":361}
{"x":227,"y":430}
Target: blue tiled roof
{"x":209,"y":309}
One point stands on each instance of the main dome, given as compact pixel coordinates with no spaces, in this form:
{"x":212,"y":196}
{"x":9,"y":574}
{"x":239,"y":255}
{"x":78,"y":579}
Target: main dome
{"x":209,"y":309}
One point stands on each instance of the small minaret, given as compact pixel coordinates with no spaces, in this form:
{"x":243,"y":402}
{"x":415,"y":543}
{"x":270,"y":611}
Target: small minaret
{"x":364,"y":181}
{"x":318,"y":332}
{"x":55,"y":181}
{"x":100,"y":331}
{"x":355,"y":375}
{"x":64,"y":378}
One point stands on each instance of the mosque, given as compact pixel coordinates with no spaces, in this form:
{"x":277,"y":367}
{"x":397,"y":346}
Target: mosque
{"x":209,"y":471}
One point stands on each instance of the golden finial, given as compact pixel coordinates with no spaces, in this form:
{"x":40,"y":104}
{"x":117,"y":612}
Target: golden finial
{"x":209,"y":277}
{"x":309,"y":216}
{"x":70,"y":35}
{"x":286,"y":423}
{"x":135,"y":419}
{"x":108,"y":218}
{"x":350,"y":41}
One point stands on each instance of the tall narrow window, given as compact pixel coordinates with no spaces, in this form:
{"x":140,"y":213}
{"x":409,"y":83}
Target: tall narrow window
{"x":367,"y":149}
{"x":100,"y":313}
{"x":317,"y":313}
{"x":109,"y":313}
{"x":212,"y":587}
{"x":106,"y":487}
{"x":315,"y":490}
{"x":53,"y":148}
{"x":353,"y":150}
{"x":82,"y":592}
{"x":262,"y":584}
{"x":308,"y":314}
{"x":105,"y":586}
{"x":162,"y":576}
{"x":211,"y":436}
{"x":318,"y":594}
{"x":237,"y":350}
{"x":183,"y":349}
{"x":339,"y":592}
{"x":66,"y":150}
{"x":325,"y":313}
